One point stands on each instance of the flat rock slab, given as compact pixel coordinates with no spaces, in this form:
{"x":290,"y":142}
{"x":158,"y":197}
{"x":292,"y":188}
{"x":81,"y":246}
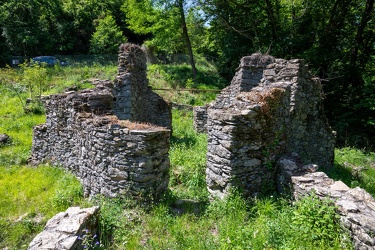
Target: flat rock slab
{"x":63,"y":231}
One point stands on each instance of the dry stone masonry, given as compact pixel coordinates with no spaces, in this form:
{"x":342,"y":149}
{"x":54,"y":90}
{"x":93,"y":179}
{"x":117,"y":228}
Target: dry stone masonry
{"x":135,"y":100}
{"x":272,"y":107}
{"x":356,"y":206}
{"x":200,"y":118}
{"x":99,"y":135}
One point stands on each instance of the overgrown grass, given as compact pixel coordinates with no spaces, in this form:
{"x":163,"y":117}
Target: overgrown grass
{"x":78,"y":77}
{"x":188,"y":158}
{"x":30,"y":196}
{"x":233,"y":223}
{"x":18,"y":125}
{"x":185,"y":218}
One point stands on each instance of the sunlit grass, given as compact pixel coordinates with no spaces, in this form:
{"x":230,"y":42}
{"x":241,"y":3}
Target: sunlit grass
{"x":31,"y":190}
{"x":188,"y":157}
{"x":233,"y":223}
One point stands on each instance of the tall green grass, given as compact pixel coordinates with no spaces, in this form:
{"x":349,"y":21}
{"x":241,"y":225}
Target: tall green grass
{"x":29,"y":197}
{"x":188,"y":158}
{"x":233,"y":223}
{"x":187,"y":219}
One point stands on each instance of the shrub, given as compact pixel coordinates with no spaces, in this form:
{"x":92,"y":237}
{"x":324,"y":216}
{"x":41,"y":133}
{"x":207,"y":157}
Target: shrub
{"x":317,"y":222}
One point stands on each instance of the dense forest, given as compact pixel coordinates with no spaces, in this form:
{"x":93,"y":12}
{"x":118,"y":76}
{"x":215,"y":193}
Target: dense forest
{"x":336,"y":38}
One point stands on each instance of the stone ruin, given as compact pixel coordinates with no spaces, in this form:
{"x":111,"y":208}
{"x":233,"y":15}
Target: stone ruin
{"x":272,"y":107}
{"x":114,"y":138}
{"x":267,"y":129}
{"x":134,"y":99}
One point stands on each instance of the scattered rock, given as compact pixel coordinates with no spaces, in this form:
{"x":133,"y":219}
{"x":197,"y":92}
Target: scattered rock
{"x":65,"y":230}
{"x":4,"y":138}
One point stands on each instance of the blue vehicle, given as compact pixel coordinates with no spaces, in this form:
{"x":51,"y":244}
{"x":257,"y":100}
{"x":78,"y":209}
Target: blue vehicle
{"x":49,"y":61}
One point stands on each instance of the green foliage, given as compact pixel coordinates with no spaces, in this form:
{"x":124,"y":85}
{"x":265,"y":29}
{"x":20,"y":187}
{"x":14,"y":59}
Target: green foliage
{"x":107,"y":37}
{"x":143,"y":17}
{"x":18,"y":234}
{"x":317,"y":222}
{"x":10,"y":79}
{"x":25,"y":24}
{"x":178,"y":77}
{"x":18,"y":126}
{"x":89,"y":241}
{"x":118,"y":221}
{"x":32,"y":78}
{"x":68,"y":192}
{"x":334,"y":37}
{"x":184,"y":219}
{"x":50,"y":27}
{"x":34,"y":190}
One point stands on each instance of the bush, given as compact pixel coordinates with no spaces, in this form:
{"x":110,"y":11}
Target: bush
{"x":317,"y":222}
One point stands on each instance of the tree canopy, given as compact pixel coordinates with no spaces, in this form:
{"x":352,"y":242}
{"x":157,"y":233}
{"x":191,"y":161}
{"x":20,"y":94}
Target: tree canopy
{"x":336,"y":38}
{"x":107,"y":37}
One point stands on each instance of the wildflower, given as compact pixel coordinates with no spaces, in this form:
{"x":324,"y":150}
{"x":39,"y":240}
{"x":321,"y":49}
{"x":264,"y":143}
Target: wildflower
{"x":97,"y":243}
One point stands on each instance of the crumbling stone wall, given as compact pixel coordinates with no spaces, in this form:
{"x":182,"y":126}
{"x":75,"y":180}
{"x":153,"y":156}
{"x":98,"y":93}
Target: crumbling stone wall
{"x":272,"y":107}
{"x":355,"y":206}
{"x":200,"y":119}
{"x":110,"y":155}
{"x":134,"y":99}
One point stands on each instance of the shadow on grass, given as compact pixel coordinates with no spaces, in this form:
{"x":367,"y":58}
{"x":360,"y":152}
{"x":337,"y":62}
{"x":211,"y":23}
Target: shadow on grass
{"x":186,"y":141}
{"x":186,"y":206}
{"x":179,"y":75}
{"x":340,"y":172}
{"x":351,"y":177}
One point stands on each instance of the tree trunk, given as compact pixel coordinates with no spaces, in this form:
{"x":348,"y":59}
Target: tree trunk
{"x":359,"y":38}
{"x":271,"y":17}
{"x":186,"y":37}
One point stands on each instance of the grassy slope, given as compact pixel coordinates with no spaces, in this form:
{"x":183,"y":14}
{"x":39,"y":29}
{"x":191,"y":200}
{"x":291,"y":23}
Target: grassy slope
{"x":185,"y":219}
